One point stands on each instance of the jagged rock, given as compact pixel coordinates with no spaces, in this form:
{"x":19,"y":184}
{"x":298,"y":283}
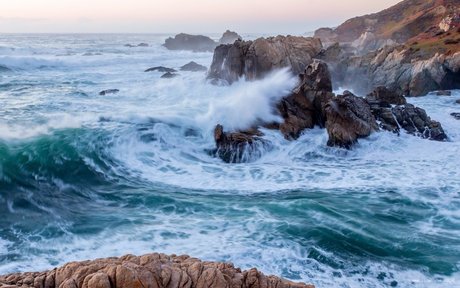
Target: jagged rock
{"x":384,"y":97}
{"x":410,"y":118}
{"x":402,"y":70}
{"x":169,"y":75}
{"x":193,"y":67}
{"x":195,"y":43}
{"x":109,"y":91}
{"x":443,"y":93}
{"x":255,"y":59}
{"x":348,"y":118}
{"x":304,"y":108}
{"x":161,"y":69}
{"x":229,"y":37}
{"x":240,"y":146}
{"x":455,"y":115}
{"x":151,"y":270}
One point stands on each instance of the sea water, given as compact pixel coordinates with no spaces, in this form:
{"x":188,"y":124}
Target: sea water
{"x":85,"y":176}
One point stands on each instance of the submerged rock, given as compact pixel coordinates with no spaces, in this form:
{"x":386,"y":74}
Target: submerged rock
{"x":142,"y":45}
{"x":348,"y":118}
{"x":161,"y":69}
{"x":169,"y":75}
{"x":109,"y":91}
{"x":229,"y":37}
{"x":195,"y":43}
{"x":240,"y":146}
{"x":193,"y":67}
{"x":458,"y":101}
{"x":455,"y":115}
{"x":255,"y":59}
{"x":151,"y":270}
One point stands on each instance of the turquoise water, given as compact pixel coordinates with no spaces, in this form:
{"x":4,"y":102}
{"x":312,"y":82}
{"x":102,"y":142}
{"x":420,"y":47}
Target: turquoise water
{"x":85,"y":176}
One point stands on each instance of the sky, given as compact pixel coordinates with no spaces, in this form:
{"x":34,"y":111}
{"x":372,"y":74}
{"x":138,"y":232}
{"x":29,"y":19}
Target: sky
{"x":173,"y":16}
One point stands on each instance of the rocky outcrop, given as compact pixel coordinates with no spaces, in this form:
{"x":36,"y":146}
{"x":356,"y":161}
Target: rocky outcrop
{"x":393,"y":113}
{"x":398,"y":23}
{"x":108,"y":91}
{"x":240,"y":146}
{"x":195,"y":43}
{"x":151,"y":270}
{"x":304,"y":108}
{"x":348,"y":118}
{"x":401,"y":70}
{"x":193,"y":67}
{"x":169,"y":75}
{"x":255,"y":59}
{"x":229,"y":37}
{"x":161,"y":69}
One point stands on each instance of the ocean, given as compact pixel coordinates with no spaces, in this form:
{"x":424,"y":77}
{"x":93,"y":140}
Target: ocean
{"x":84,"y":176}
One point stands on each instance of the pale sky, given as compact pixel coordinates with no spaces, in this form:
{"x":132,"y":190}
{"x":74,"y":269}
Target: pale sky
{"x":172,"y":16}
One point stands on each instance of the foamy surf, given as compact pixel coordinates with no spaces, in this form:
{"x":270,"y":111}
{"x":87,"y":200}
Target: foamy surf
{"x":104,"y":175}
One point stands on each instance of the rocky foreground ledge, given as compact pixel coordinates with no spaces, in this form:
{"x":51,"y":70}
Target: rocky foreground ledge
{"x":147,"y":271}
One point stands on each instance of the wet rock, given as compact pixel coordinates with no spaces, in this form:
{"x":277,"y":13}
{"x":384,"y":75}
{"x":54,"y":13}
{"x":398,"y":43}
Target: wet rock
{"x":169,"y":75}
{"x":161,"y":69}
{"x":255,"y":59}
{"x":458,"y":101}
{"x":151,"y":270}
{"x":304,"y":108}
{"x":130,"y":45}
{"x":382,"y":96}
{"x":195,"y":43}
{"x":410,"y":118}
{"x":109,"y":91}
{"x":348,"y":118}
{"x":239,"y":146}
{"x":455,"y":115}
{"x":193,"y":67}
{"x":229,"y":37}
{"x":142,"y":45}
{"x":401,"y":69}
{"x":443,"y":93}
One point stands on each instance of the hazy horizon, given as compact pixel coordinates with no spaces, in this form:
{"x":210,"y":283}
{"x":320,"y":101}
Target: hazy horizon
{"x":201,"y":16}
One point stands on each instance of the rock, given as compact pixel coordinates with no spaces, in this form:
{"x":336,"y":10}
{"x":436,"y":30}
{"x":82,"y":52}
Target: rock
{"x":195,"y":43}
{"x":304,"y":108}
{"x":255,"y":59}
{"x":458,"y":101}
{"x":169,"y":75}
{"x":109,"y":91}
{"x":402,"y":70}
{"x":130,"y":45}
{"x":348,"y":118}
{"x":410,"y":118}
{"x":240,"y":146}
{"x":443,"y":93}
{"x":161,"y":69}
{"x":455,"y":115}
{"x":142,"y":45}
{"x":151,"y":270}
{"x":229,"y":37}
{"x":193,"y":67}
{"x":384,"y":97}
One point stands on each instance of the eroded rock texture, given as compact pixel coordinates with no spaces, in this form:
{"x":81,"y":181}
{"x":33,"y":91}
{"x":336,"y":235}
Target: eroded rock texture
{"x":148,"y":271}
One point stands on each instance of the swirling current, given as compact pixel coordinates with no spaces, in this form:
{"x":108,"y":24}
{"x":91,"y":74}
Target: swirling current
{"x":84,"y":175}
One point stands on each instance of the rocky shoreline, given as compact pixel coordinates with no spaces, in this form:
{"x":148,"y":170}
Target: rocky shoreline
{"x":150,"y":270}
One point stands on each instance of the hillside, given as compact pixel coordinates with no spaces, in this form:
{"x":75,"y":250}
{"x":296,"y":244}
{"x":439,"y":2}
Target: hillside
{"x":398,"y":23}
